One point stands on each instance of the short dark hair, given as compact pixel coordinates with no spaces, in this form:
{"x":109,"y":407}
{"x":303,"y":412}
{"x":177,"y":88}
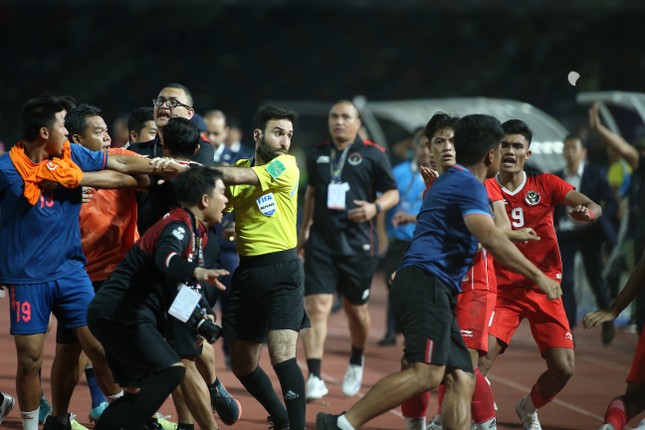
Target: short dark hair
{"x":67,"y":101}
{"x":138,"y":118}
{"x":192,"y":184}
{"x":475,"y":136}
{"x":36,"y":113}
{"x":76,"y":119}
{"x":439,"y":121}
{"x":181,"y":137}
{"x":517,"y":126}
{"x":269,"y":112}
{"x":177,"y":86}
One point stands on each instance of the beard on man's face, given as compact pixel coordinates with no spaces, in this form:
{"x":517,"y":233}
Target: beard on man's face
{"x":266,"y":152}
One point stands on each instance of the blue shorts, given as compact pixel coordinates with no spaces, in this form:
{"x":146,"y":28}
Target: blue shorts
{"x":67,"y":297}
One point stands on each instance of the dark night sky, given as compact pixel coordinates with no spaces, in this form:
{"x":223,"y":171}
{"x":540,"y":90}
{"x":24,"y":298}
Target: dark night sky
{"x":235,"y":54}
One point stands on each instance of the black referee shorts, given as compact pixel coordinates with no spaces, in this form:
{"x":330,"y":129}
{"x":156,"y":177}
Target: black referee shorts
{"x":267,"y":294}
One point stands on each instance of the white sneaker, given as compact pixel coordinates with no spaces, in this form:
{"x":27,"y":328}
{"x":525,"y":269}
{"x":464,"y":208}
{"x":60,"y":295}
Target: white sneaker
{"x":435,"y":424}
{"x":529,"y":418}
{"x":316,"y":388}
{"x":353,"y":379}
{"x":6,"y":406}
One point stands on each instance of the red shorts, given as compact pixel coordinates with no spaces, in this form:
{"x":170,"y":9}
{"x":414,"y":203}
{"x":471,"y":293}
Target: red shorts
{"x":481,"y":275}
{"x":637,"y":374}
{"x":549,"y":324}
{"x":474,"y":311}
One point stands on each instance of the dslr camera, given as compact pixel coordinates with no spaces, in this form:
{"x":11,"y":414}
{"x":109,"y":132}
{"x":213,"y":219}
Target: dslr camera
{"x":204,"y":327}
{"x":197,"y":320}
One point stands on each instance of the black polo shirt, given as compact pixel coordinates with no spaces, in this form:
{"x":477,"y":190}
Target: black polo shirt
{"x":367,"y":171}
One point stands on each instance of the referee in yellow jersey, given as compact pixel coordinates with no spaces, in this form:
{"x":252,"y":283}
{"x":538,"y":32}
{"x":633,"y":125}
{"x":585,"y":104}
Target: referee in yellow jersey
{"x":266,"y":302}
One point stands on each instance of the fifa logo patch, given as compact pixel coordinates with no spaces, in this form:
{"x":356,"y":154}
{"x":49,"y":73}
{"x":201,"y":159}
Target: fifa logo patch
{"x":532,"y":198}
{"x":267,"y":204}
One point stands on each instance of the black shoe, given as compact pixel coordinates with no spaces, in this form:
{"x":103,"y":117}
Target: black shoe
{"x":388,"y":339}
{"x":273,"y":426}
{"x":608,"y":332}
{"x":52,"y":424}
{"x":326,"y":421}
{"x":227,"y":407}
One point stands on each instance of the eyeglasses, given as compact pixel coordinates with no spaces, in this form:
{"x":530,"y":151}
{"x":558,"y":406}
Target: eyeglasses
{"x":171,"y":102}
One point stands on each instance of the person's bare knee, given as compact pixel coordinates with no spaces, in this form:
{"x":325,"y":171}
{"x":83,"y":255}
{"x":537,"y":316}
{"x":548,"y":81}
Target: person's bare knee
{"x":318,"y":306}
{"x":561,"y":361}
{"x":30,"y":352}
{"x":282,"y":345}
{"x":429,"y":376}
{"x":485,"y":362}
{"x":245,"y":357}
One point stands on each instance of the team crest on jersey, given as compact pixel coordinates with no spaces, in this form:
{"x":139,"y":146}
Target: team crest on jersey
{"x":355,"y":159}
{"x":179,"y":233}
{"x":267,"y":204}
{"x":532,"y":198}
{"x":51,"y":165}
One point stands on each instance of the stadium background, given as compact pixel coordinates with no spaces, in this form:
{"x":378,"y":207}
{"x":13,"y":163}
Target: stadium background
{"x":235,"y":54}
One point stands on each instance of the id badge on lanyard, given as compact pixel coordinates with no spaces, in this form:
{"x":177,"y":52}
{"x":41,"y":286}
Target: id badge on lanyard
{"x":336,"y":195}
{"x":337,"y":190}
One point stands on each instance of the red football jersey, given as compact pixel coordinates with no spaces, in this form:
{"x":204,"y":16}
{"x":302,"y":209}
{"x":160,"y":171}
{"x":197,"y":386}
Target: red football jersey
{"x":531,"y":205}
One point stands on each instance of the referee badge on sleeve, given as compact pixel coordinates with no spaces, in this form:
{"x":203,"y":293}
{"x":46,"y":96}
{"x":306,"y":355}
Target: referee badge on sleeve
{"x":275,"y":168}
{"x":267,"y":204}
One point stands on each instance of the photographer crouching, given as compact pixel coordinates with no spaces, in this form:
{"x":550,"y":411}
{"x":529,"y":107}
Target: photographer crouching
{"x":158,"y":280}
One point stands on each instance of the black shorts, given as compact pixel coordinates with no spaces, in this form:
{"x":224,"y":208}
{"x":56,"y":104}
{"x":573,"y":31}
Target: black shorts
{"x":65,"y":335}
{"x":267,"y":294}
{"x":182,"y":338}
{"x":424,"y":309}
{"x":134,"y":349}
{"x":349,"y":275}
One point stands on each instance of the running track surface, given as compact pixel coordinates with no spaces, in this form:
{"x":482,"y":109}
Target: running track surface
{"x":600,"y":374}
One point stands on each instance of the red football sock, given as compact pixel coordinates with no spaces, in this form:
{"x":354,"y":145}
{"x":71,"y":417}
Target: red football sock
{"x":416,"y":406}
{"x":538,"y":398}
{"x":483,"y":405}
{"x":615,"y":414}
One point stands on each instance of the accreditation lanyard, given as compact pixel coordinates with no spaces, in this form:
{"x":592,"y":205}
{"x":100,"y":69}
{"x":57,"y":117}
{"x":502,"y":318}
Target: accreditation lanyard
{"x":336,"y":168}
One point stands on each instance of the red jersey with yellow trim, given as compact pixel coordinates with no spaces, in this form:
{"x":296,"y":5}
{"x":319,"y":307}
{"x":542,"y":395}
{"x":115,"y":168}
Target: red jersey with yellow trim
{"x":108,"y":227}
{"x":531,"y":205}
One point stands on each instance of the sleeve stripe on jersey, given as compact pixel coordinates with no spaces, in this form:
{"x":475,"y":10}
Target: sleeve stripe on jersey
{"x":477,"y":212}
{"x":105,"y":159}
{"x":167,"y":262}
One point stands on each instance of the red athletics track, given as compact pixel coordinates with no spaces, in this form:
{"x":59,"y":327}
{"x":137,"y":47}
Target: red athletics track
{"x":600,"y":375}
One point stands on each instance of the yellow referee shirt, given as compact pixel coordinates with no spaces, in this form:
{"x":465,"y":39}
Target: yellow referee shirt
{"x":266,"y":215}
